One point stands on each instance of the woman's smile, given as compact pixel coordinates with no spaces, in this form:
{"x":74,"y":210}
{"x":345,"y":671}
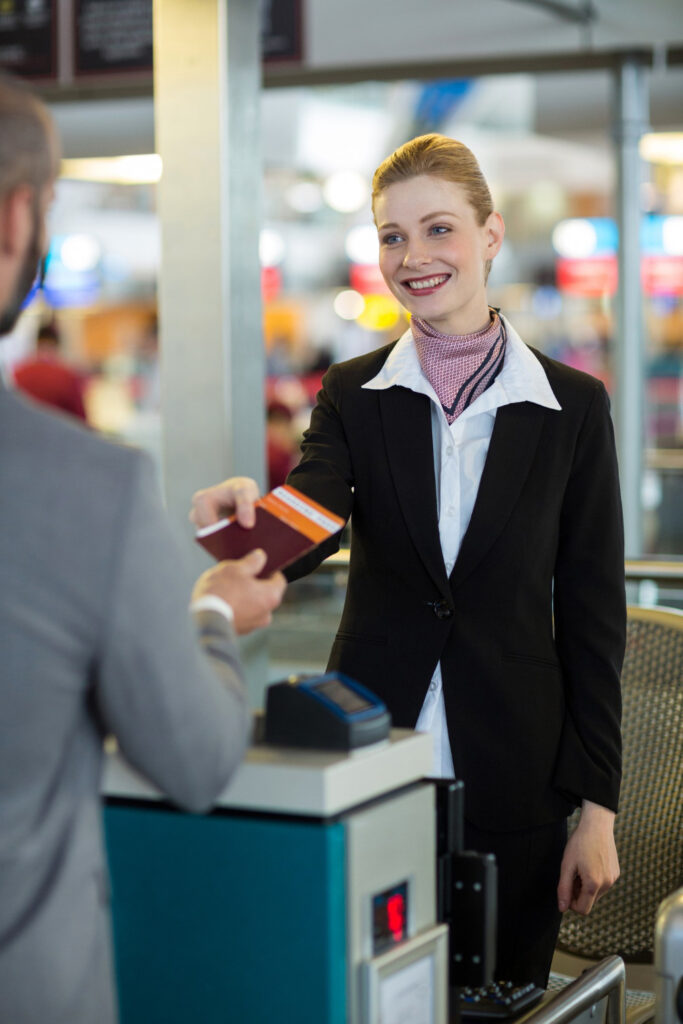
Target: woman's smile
{"x":426,"y":285}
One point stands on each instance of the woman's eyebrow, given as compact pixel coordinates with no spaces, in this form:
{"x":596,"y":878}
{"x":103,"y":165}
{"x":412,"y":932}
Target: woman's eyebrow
{"x":428,"y":216}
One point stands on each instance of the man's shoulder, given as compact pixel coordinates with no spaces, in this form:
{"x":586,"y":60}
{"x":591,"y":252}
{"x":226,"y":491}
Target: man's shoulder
{"x":57,"y":441}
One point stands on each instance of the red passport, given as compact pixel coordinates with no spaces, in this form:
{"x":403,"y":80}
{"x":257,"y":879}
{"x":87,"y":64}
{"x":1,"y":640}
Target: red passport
{"x":288,"y":524}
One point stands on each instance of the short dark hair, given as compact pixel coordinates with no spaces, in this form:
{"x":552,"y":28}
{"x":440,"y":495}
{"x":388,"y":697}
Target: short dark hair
{"x":28,"y":143}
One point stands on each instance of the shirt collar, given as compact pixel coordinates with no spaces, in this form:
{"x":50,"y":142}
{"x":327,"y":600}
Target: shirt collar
{"x":521,"y":379}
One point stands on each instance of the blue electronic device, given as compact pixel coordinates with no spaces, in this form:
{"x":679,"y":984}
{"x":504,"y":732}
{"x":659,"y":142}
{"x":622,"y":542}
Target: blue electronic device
{"x":328,"y":712}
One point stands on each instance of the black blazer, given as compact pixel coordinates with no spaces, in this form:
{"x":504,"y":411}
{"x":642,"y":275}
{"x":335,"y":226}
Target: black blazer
{"x":530,"y":625}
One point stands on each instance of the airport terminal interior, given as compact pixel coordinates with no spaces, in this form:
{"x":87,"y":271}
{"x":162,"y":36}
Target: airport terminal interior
{"x":539,"y":91}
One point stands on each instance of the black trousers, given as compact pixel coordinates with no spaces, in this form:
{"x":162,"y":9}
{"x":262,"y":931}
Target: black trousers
{"x":528,"y":919}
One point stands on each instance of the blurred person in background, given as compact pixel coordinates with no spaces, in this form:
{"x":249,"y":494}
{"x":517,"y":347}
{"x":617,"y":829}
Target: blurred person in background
{"x":282,"y":450}
{"x":96,"y":638}
{"x":46,"y":377}
{"x":146,"y":375}
{"x":485,"y":600}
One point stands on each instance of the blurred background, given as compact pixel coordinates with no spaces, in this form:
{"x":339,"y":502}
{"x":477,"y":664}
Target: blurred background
{"x":544,"y":139}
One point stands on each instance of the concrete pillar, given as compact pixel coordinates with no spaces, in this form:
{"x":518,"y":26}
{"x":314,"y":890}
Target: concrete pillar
{"x":207,"y":75}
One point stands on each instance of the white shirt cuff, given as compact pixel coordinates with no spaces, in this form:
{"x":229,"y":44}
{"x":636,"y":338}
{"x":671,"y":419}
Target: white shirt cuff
{"x":213,"y":603}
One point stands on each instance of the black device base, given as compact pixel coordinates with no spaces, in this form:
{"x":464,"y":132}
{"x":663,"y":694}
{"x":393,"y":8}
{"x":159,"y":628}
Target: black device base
{"x":500,"y":1000}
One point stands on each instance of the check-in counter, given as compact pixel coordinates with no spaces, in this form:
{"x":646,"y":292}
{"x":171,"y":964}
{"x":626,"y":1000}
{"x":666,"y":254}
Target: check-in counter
{"x":307,"y":895}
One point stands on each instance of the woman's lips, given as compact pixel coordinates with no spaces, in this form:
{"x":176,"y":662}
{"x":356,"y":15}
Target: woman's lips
{"x":425,"y":285}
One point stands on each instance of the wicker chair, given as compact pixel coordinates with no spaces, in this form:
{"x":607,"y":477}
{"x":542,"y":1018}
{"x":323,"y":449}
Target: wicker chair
{"x":649,"y":826}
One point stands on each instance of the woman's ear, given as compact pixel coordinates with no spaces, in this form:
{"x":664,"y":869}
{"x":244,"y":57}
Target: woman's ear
{"x":495,"y":233}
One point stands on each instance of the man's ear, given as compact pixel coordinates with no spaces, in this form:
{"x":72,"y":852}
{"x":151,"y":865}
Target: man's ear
{"x":16,"y":220}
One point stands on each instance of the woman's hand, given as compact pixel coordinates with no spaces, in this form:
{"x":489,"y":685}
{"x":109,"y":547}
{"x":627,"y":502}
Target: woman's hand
{"x":235,"y":496}
{"x":590,"y":865}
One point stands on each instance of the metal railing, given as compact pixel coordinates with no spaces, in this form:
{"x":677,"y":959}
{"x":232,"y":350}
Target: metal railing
{"x":636,"y":570}
{"x":608,"y":978}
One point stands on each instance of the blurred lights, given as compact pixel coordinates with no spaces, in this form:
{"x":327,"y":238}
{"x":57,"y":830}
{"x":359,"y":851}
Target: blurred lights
{"x":582,"y":239}
{"x":672,"y":236}
{"x":381,"y":313}
{"x":271,"y":247}
{"x":362,"y":244}
{"x":141,"y":169}
{"x":575,"y":239}
{"x":346,"y":191}
{"x":662,"y":147}
{"x":349,"y":304}
{"x":80,"y":252}
{"x":305,"y":196}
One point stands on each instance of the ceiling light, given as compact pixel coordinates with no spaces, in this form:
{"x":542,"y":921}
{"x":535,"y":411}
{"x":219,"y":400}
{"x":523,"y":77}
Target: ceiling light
{"x":672,"y":236}
{"x":80,"y":252}
{"x":362,"y":244}
{"x":349,"y":304}
{"x":140,"y":169}
{"x":271,"y":247}
{"x":662,"y":147}
{"x":346,"y":191}
{"x":575,"y":239}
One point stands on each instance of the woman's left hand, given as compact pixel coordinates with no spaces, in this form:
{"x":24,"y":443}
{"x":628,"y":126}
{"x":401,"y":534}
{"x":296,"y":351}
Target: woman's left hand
{"x":590,"y":865}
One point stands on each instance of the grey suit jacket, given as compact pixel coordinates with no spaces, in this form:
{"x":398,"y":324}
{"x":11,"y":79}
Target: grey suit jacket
{"x":95,"y":637}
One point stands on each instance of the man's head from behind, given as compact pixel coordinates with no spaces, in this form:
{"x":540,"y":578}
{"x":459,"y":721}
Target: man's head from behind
{"x":28,"y":167}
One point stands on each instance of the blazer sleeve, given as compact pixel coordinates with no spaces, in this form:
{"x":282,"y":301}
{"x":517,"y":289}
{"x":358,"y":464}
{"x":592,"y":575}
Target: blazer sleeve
{"x":590,"y":614}
{"x":172,"y":694}
{"x":325,"y":472}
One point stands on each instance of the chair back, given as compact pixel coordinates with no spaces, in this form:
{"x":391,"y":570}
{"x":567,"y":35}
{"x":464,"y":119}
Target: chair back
{"x":649,"y":825}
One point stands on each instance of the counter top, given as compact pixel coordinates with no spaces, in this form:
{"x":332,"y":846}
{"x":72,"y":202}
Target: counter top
{"x":312,"y":783}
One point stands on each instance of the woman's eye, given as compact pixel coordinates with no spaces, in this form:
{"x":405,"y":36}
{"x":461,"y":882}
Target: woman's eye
{"x":439,"y":229}
{"x":391,"y":239}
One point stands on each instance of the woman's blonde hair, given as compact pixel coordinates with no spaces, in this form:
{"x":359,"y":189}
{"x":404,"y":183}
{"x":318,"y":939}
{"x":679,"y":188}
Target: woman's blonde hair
{"x":440,"y":157}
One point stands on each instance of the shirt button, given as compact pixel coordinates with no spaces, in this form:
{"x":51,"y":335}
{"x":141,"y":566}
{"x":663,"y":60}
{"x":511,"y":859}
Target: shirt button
{"x":452,"y":510}
{"x":449,"y":450}
{"x":432,"y":687}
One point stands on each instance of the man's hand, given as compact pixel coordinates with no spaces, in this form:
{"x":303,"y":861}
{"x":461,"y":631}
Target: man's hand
{"x":234,"y":496}
{"x":590,"y":865}
{"x":251,"y":600}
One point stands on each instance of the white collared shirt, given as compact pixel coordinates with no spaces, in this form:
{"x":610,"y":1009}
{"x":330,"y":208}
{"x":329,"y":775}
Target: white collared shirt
{"x":460,"y":451}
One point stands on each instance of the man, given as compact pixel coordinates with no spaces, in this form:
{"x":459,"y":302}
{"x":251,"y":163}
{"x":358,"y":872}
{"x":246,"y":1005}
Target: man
{"x":95,"y":639}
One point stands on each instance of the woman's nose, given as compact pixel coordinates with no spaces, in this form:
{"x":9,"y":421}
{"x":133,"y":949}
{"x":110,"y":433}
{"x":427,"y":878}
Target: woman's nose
{"x":416,"y":258}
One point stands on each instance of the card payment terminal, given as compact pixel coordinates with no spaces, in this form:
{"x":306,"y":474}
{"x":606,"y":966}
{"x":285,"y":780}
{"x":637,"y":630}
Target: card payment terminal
{"x":328,"y":712}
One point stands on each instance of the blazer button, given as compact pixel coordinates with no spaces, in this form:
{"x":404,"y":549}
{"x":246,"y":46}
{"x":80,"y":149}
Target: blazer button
{"x":442,"y":609}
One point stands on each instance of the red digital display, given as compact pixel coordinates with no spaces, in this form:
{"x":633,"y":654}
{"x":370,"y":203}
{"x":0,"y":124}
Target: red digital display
{"x":396,"y":916}
{"x":389,"y":917}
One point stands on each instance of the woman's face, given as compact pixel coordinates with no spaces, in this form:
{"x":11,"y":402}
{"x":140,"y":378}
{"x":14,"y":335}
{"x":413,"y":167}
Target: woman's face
{"x":433,"y":252}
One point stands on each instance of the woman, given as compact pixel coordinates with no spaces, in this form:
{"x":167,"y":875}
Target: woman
{"x":485,"y":601}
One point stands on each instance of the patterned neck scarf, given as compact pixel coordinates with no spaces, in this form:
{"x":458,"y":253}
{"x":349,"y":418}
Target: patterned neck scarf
{"x":460,"y":367}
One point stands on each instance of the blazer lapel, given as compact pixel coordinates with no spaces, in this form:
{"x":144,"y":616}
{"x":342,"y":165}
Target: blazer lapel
{"x":513,"y":445}
{"x":406,"y":418}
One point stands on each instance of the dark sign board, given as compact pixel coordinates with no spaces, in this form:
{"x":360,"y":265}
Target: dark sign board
{"x":112,"y":36}
{"x":28,"y":37}
{"x":281,"y":31}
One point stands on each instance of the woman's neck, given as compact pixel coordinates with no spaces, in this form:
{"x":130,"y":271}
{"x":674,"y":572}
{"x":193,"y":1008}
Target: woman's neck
{"x":462,"y":326}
